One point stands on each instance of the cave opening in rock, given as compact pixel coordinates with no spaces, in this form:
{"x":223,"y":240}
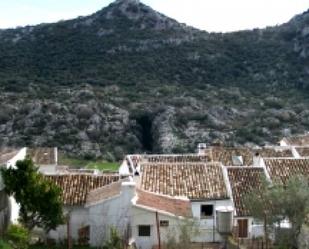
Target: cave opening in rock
{"x":145,"y":123}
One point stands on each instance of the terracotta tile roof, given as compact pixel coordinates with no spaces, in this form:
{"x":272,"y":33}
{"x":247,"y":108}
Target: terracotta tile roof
{"x":42,"y":156}
{"x":242,"y":181}
{"x":104,"y":193}
{"x":76,"y":187}
{"x":283,"y":169}
{"x":303,"y":151}
{"x":192,"y":180}
{"x":193,"y":158}
{"x":300,"y":140}
{"x":7,"y":153}
{"x":225,"y":155}
{"x":274,"y":152}
{"x":178,"y":207}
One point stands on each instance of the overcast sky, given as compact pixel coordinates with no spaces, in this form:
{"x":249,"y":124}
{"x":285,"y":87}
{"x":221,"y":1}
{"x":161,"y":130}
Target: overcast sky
{"x":210,"y":15}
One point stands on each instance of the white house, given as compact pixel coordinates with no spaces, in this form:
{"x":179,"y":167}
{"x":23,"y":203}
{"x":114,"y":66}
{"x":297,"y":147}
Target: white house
{"x":110,"y":207}
{"x":152,"y":213}
{"x":93,"y":204}
{"x":202,"y":185}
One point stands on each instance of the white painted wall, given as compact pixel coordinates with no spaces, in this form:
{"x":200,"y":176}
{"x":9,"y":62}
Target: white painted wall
{"x":283,"y":142}
{"x":142,"y":216}
{"x":113,"y":212}
{"x":78,"y":218}
{"x":206,"y":227}
{"x":208,"y":230}
{"x":295,"y":152}
{"x":21,"y":155}
{"x":124,"y":168}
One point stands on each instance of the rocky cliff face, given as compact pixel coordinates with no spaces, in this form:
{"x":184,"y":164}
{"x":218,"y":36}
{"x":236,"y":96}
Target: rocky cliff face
{"x":129,"y":79}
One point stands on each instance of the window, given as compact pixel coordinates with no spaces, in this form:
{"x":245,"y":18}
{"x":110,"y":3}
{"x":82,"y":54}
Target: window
{"x":207,"y":211}
{"x":164,"y":223}
{"x":144,"y":230}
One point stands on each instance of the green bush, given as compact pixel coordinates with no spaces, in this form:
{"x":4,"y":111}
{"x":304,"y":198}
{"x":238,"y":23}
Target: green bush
{"x":4,"y":245}
{"x":19,"y":236}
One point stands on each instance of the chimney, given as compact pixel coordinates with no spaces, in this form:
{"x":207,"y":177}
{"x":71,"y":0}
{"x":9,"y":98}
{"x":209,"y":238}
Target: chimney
{"x":56,"y":155}
{"x":257,"y":160}
{"x":201,"y":148}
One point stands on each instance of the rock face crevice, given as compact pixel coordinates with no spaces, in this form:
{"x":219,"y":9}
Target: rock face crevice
{"x":146,"y":133}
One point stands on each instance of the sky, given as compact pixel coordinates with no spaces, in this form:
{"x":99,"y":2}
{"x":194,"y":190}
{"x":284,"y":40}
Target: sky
{"x":210,"y":15}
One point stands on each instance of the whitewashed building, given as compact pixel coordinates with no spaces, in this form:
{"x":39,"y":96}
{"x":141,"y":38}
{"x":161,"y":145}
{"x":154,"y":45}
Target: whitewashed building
{"x":152,"y":213}
{"x":198,"y":187}
{"x":93,"y":205}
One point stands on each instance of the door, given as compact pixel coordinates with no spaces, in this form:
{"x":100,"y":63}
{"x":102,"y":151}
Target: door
{"x":242,"y":228}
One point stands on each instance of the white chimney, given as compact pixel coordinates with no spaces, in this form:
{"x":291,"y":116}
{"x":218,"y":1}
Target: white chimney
{"x":257,"y":160}
{"x":201,"y":148}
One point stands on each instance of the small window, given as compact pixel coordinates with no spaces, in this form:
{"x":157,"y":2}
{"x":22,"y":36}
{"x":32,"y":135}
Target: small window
{"x":207,"y":211}
{"x":144,"y":230}
{"x":164,"y":223}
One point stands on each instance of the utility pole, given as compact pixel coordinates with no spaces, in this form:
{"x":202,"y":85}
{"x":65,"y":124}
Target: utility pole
{"x":158,"y":230}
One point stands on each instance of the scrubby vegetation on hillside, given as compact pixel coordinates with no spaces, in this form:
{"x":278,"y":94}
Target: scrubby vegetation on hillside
{"x":128,"y":79}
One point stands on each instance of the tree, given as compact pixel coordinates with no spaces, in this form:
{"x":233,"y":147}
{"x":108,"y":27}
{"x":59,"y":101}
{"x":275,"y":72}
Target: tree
{"x":39,"y":199}
{"x":295,"y":205}
{"x":181,"y":236}
{"x":276,"y":202}
{"x":259,"y":203}
{"x":303,"y":240}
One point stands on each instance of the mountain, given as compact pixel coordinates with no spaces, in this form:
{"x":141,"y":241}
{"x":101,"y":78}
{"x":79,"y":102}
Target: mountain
{"x":129,"y":79}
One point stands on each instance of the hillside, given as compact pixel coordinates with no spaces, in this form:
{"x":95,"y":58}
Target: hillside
{"x":129,"y":79}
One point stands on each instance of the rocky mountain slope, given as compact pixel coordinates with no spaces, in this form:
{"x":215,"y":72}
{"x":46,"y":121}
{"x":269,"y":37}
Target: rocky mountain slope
{"x":129,"y":79}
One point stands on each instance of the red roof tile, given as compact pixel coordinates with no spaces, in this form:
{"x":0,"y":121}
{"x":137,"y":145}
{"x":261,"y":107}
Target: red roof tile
{"x":192,"y":180}
{"x":177,"y":207}
{"x":225,"y":155}
{"x":243,"y":181}
{"x":76,"y":187}
{"x":303,"y":151}
{"x":42,"y":156}
{"x":104,"y":193}
{"x":298,"y":140}
{"x":283,"y":169}
{"x":176,"y":158}
{"x":274,"y":152}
